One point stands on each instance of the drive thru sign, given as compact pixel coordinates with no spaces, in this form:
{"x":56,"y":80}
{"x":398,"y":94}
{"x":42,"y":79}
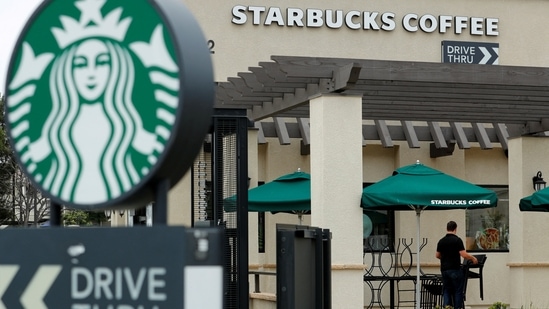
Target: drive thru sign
{"x":470,"y":52}
{"x":153,"y":268}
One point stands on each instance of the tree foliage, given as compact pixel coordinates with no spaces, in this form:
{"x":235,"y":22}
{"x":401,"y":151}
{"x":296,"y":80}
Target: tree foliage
{"x":30,"y":206}
{"x":7,"y":171}
{"x":76,"y":217}
{"x":82,"y":218}
{"x":4,"y":145}
{"x":20,"y":202}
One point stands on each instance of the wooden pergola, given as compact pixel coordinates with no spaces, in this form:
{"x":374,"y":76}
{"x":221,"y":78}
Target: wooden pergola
{"x":459,"y":103}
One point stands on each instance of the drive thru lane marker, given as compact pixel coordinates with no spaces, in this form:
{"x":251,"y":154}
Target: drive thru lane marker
{"x":33,"y":296}
{"x":7,"y":272}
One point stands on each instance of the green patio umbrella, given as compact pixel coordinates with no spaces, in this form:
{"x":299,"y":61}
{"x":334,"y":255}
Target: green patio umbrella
{"x":290,"y":193}
{"x":418,"y":187}
{"x":538,"y":201}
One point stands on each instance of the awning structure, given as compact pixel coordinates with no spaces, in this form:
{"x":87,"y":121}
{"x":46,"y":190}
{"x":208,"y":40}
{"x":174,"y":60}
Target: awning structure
{"x":444,"y":136}
{"x":493,"y":101}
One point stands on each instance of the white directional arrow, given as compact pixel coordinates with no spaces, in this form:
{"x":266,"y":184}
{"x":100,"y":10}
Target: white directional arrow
{"x":487,"y":55}
{"x":496,"y":50}
{"x":7,"y":272}
{"x":33,"y":296}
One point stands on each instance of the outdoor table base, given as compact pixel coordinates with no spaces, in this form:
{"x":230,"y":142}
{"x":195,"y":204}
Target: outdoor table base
{"x":431,"y":290}
{"x":399,"y":257}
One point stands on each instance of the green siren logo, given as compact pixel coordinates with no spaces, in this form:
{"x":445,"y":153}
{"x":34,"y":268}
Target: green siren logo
{"x":92,"y":97}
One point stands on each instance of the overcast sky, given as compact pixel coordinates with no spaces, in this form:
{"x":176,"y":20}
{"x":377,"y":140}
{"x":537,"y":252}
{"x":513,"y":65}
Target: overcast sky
{"x":13,"y":16}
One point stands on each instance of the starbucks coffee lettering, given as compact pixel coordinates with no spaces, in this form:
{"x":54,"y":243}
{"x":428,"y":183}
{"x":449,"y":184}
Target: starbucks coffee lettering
{"x":363,"y":20}
{"x":460,"y":202}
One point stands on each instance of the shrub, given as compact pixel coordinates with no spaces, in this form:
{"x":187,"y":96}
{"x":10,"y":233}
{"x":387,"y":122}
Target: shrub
{"x":499,"y":305}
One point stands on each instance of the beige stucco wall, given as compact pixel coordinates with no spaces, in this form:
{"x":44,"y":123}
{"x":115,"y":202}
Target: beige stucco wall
{"x":238,"y":47}
{"x":179,"y":201}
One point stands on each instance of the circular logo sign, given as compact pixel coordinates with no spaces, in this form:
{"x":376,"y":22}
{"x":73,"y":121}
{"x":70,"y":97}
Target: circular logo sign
{"x":96,"y":104}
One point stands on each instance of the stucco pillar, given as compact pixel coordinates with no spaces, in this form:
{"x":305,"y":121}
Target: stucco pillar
{"x":180,"y":202}
{"x":336,"y":188}
{"x":118,"y":220}
{"x":528,"y":264}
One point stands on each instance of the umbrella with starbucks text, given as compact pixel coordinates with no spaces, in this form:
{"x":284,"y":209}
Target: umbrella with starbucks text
{"x":417,"y":187}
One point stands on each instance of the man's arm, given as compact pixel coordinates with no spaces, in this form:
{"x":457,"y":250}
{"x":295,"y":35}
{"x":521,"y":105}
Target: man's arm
{"x":464,"y":254}
{"x":438,"y":255}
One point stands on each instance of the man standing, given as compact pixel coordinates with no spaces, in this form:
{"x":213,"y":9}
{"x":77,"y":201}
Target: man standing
{"x":450,"y":249}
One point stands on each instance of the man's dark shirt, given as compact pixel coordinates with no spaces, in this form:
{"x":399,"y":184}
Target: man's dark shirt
{"x":449,"y":247}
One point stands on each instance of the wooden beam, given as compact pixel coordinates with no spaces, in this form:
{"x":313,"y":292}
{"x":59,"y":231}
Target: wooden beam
{"x":383,"y":132}
{"x":395,"y":90}
{"x":396,"y":132}
{"x":251,"y":80}
{"x":459,"y":135}
{"x":345,"y":77}
{"x":420,"y":71}
{"x":435,"y":152}
{"x":287,"y":102}
{"x":273,"y":70}
{"x":502,"y":134}
{"x":282,"y":131}
{"x":305,"y":130}
{"x":482,"y":136}
{"x":410,"y":133}
{"x":260,"y":134}
{"x":436,"y":133}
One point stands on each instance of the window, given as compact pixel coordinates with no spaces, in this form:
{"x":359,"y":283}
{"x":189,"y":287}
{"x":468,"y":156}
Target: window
{"x":260,"y":225}
{"x":488,"y":229}
{"x":261,"y":231}
{"x":378,"y":230}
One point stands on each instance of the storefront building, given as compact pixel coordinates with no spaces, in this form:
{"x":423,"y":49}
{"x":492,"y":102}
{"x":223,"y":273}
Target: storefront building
{"x":349,"y":91}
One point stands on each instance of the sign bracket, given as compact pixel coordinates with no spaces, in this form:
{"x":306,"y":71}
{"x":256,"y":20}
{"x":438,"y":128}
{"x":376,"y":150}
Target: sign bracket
{"x":55,"y":214}
{"x":160,"y":208}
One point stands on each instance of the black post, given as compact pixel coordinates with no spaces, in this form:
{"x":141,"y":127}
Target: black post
{"x":319,"y":269}
{"x":327,"y":267}
{"x":55,"y":214}
{"x":232,"y":121}
{"x":160,"y":209}
{"x":242,"y":213}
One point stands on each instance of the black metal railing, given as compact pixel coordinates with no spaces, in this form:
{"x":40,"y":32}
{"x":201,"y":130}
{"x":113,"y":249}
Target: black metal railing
{"x":257,"y":279}
{"x":391,"y":266}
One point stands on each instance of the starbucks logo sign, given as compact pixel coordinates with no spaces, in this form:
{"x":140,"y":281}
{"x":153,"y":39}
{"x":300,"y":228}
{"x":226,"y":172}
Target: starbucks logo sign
{"x":104,"y":99}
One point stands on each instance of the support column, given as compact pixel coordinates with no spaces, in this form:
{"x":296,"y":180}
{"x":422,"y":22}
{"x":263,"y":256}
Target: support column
{"x":528,"y":231}
{"x":180,"y":201}
{"x":336,"y":188}
{"x":253,"y":254}
{"x":118,"y":220}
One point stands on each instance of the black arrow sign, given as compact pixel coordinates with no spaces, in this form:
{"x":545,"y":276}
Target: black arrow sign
{"x":470,"y":52}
